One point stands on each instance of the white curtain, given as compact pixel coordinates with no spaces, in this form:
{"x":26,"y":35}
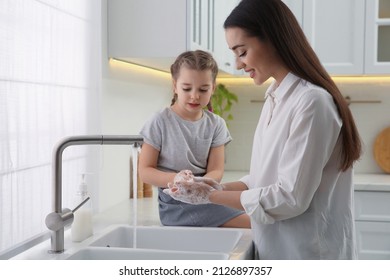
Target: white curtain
{"x":49,"y":89}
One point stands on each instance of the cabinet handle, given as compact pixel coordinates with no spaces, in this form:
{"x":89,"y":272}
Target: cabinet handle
{"x":196,"y":21}
{"x":211,"y":21}
{"x":200,"y":22}
{"x":349,"y":100}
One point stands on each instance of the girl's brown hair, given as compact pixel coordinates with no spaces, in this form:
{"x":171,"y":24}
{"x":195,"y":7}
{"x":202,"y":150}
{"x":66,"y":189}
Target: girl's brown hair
{"x":194,"y":60}
{"x":272,"y":20}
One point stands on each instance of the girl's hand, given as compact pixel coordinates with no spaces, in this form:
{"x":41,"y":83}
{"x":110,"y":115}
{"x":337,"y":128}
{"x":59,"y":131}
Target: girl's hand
{"x":190,"y":192}
{"x":184,"y":176}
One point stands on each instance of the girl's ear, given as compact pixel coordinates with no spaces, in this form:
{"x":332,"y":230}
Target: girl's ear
{"x":174,"y":84}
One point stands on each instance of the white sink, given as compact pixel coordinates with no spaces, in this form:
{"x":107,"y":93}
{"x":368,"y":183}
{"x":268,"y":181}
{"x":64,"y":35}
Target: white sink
{"x":100,"y":253}
{"x":165,"y":243}
{"x":192,"y":239}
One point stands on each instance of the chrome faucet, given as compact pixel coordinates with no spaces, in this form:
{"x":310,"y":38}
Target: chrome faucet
{"x":59,"y":218}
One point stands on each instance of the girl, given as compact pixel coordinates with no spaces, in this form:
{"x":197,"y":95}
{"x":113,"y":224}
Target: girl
{"x":185,"y":136}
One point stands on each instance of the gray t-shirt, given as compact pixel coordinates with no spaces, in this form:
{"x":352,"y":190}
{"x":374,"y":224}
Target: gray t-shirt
{"x":184,"y":144}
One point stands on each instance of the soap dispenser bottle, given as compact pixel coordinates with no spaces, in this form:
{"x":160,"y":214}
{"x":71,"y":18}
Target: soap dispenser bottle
{"x":82,"y":223}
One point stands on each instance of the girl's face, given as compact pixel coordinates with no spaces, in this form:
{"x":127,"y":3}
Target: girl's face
{"x":255,"y":57}
{"x":194,"y":89}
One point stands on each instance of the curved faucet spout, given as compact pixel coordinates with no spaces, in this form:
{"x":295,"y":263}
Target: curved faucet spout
{"x":57,"y":236}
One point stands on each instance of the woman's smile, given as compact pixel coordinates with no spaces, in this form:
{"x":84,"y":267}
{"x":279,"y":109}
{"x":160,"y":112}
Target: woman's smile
{"x":251,"y":73}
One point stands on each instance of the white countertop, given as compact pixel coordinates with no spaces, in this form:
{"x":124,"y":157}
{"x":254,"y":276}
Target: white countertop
{"x":363,"y":181}
{"x":372,"y":182}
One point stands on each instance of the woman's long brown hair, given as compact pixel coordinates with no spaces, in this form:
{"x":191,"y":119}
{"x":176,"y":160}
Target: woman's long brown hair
{"x":272,"y":20}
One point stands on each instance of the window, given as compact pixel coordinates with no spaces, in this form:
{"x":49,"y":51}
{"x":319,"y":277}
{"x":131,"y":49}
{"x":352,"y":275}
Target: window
{"x":49,"y":89}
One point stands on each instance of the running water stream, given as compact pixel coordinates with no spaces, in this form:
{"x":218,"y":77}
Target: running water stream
{"x":135,"y":151}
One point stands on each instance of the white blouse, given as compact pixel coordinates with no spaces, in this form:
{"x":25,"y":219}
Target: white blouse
{"x":300,"y":203}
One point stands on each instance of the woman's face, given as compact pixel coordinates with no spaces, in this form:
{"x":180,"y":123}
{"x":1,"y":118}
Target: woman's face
{"x":194,"y":89}
{"x":255,"y":57}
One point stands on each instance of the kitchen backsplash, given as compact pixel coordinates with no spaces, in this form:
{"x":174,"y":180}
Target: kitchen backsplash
{"x":371,"y":118}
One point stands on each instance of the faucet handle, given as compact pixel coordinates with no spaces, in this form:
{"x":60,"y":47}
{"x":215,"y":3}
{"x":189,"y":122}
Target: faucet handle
{"x":81,"y":204}
{"x":56,"y":221}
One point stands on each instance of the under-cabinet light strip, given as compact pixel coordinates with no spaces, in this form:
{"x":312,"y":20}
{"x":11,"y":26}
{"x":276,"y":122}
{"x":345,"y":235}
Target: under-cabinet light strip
{"x":244,"y":80}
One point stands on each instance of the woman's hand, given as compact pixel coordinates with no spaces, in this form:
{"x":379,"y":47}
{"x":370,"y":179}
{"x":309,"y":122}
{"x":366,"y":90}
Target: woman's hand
{"x":211,"y":182}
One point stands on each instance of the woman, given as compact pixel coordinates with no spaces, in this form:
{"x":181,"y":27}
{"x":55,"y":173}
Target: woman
{"x":299,"y":192}
{"x":186,"y":136}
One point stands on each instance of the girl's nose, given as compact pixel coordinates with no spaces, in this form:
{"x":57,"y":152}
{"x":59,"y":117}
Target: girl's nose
{"x":195,"y":94}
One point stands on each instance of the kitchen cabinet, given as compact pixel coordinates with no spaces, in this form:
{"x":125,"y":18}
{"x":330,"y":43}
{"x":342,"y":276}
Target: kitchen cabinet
{"x":202,"y":24}
{"x":222,"y":54}
{"x":153,"y":32}
{"x":351,"y":37}
{"x":336,"y":34}
{"x":148,"y":32}
{"x":335,"y":30}
{"x":208,"y":34}
{"x":372,"y":221}
{"x":377,"y":37}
